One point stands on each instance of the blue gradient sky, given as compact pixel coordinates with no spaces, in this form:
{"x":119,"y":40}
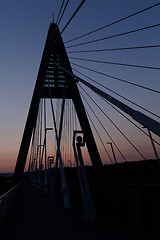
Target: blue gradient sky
{"x":23,"y":29}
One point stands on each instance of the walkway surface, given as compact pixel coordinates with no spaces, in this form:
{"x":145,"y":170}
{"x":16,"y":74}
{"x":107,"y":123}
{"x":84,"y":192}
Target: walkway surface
{"x":36,"y":216}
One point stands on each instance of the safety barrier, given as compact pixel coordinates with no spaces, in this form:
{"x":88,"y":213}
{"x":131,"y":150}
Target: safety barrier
{"x":7,"y":201}
{"x":128,"y":205}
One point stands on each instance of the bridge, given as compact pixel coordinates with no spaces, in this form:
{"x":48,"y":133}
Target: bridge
{"x":88,"y":177}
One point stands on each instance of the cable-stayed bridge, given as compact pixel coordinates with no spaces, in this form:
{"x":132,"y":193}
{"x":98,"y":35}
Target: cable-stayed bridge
{"x":75,"y":119}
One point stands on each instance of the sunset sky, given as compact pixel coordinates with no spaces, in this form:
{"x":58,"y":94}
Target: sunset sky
{"x":23,"y":30}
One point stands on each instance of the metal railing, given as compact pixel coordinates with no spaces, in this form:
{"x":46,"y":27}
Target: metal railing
{"x":7,"y":201}
{"x":129,"y":205}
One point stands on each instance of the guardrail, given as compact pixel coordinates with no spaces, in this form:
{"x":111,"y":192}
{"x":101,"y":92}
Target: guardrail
{"x":131,"y":205}
{"x":7,"y":201}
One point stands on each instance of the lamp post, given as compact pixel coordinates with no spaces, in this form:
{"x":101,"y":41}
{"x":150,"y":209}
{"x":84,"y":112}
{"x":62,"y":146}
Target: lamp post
{"x":45,"y":172}
{"x":39,"y":173}
{"x":153,"y":145}
{"x":50,"y":178}
{"x":112,"y":151}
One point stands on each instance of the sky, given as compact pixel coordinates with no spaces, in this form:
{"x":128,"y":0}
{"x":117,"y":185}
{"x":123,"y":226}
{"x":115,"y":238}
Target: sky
{"x":23,"y":30}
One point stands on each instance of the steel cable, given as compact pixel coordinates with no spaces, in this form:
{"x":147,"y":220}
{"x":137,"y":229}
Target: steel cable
{"x":104,"y":128}
{"x":115,"y":49}
{"x":117,"y":21}
{"x":116,"y":63}
{"x":115,"y":125}
{"x":116,"y":35}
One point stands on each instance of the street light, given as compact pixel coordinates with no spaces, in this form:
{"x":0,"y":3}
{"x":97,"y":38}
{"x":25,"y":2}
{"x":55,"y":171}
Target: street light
{"x":112,"y":151}
{"x":50,"y":161}
{"x":50,"y":177}
{"x":153,"y":145}
{"x":39,"y":146}
{"x":45,"y":172}
{"x":39,"y":184}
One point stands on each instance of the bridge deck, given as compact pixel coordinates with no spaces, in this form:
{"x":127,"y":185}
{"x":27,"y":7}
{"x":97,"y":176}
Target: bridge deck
{"x":36,"y":216}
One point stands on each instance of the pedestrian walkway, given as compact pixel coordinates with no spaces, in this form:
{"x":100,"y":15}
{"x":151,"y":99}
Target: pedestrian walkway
{"x":36,"y":216}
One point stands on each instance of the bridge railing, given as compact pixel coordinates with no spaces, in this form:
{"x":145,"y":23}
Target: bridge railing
{"x":7,"y":201}
{"x":127,"y":205}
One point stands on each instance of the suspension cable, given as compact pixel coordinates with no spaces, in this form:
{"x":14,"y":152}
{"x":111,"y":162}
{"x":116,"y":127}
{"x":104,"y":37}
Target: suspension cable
{"x":143,"y":119}
{"x":31,"y":151}
{"x":76,"y":11}
{"x":117,"y":21}
{"x":115,"y":63}
{"x":75,"y":120}
{"x":78,"y":8}
{"x":57,"y":140}
{"x":118,"y":94}
{"x":60,"y":11}
{"x":45,"y":126}
{"x":115,"y":125}
{"x":116,"y":35}
{"x":65,"y":134}
{"x":128,"y":119}
{"x":37,"y":138}
{"x":68,"y":129}
{"x":116,"y":78}
{"x":71,"y":131}
{"x":115,"y":49}
{"x":103,"y":127}
{"x":63,"y":12}
{"x":149,"y":89}
{"x":98,"y":135}
{"x":40,"y":140}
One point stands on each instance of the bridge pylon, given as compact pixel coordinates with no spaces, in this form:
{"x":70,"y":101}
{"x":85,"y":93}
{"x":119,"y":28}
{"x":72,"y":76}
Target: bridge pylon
{"x":51,"y":80}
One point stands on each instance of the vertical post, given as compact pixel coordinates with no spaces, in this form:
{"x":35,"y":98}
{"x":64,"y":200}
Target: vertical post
{"x":50,"y":162}
{"x":39,"y":181}
{"x":154,"y":148}
{"x":113,"y":152}
{"x":45,"y":173}
{"x":40,"y":168}
{"x":45,"y":164}
{"x":45,"y":149}
{"x":36,"y":167}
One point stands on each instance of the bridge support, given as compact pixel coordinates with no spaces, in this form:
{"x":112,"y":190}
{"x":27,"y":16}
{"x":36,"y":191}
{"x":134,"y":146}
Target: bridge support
{"x":50,"y":83}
